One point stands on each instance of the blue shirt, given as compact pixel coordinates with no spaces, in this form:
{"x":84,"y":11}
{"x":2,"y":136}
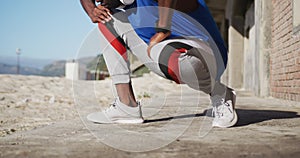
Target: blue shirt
{"x":197,"y":24}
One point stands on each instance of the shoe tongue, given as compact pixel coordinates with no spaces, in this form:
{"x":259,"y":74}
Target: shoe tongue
{"x":216,"y":100}
{"x":216,"y":97}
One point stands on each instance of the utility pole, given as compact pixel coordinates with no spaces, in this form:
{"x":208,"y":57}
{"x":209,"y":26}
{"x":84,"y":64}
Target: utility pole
{"x":18,"y":52}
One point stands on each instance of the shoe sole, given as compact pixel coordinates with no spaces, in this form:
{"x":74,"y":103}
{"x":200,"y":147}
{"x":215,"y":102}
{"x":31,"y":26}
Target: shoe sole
{"x":135,"y":121}
{"x":115,"y":121}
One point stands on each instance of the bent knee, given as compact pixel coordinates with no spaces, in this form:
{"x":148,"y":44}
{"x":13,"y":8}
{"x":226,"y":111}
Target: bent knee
{"x":194,"y":73}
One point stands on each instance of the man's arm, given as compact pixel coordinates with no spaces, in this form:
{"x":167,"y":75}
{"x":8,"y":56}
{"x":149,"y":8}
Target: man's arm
{"x":163,"y":26}
{"x":96,"y":13}
{"x":165,"y":13}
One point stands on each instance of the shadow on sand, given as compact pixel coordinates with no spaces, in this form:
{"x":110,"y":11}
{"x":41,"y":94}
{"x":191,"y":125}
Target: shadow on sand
{"x":246,"y":116}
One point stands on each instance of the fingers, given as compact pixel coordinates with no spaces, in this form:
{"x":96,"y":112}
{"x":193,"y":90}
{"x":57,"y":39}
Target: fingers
{"x":158,"y":37}
{"x":101,"y":14}
{"x":151,"y":44}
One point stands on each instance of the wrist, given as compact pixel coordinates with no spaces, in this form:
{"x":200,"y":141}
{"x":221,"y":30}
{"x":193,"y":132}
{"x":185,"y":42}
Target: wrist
{"x":90,"y":10}
{"x":164,"y":29}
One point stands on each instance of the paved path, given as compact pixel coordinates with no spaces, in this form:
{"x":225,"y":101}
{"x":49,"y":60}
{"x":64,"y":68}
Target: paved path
{"x":266,"y":128}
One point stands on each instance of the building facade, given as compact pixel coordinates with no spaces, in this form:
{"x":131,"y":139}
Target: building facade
{"x":263,"y":39}
{"x":285,"y":50}
{"x":75,"y":71}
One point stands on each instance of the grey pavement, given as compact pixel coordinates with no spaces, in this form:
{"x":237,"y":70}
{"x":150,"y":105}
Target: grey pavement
{"x":266,"y":128}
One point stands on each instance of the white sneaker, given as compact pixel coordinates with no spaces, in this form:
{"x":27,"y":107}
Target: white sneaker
{"x":118,"y":113}
{"x":223,"y":110}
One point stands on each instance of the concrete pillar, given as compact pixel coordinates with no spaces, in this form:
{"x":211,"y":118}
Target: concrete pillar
{"x":236,"y":49}
{"x":224,"y":32}
{"x":250,"y":71}
{"x":263,"y":22}
{"x":250,"y":75}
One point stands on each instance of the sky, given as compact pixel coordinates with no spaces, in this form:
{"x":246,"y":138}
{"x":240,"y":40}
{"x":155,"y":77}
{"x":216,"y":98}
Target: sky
{"x":43,"y":29}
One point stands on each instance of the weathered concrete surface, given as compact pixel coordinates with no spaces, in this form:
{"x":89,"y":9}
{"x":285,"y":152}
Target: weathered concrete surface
{"x":266,"y":128}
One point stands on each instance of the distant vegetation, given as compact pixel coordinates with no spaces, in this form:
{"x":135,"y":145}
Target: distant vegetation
{"x":97,"y":63}
{"x":140,"y":71}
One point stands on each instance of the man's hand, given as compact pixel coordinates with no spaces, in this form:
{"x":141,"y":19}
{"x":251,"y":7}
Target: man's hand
{"x":158,"y":37}
{"x":98,"y":13}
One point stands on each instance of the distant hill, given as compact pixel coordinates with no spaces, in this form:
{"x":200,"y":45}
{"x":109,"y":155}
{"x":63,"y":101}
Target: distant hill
{"x":25,"y":61}
{"x":57,"y":68}
{"x":54,"y":68}
{"x":12,"y":69}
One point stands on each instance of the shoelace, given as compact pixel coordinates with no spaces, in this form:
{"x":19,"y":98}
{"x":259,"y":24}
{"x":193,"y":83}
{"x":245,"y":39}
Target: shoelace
{"x":218,"y":105}
{"x":111,"y":107}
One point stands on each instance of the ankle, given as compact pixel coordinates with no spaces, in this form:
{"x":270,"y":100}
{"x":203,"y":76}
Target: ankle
{"x":219,"y":89}
{"x":129,"y":102}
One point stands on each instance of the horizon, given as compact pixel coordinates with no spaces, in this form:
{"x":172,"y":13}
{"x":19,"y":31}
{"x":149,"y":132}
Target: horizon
{"x":33,"y":62}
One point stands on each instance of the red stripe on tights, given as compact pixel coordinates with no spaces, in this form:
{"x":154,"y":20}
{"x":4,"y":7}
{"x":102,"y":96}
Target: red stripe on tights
{"x":113,"y":40}
{"x":173,"y":66}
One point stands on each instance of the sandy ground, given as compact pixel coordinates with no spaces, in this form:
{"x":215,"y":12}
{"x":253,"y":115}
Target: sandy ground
{"x":28,"y":102}
{"x":45,"y":117}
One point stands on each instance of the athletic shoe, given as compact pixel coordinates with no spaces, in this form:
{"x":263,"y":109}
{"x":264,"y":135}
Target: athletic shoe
{"x":118,"y":113}
{"x":223,"y":109}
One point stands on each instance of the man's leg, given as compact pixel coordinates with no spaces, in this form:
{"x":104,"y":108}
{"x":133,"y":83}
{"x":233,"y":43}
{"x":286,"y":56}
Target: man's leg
{"x":125,"y":109}
{"x":118,"y":65}
{"x":192,"y":63}
{"x":185,"y":61}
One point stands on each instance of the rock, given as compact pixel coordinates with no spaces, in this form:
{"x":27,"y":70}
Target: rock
{"x":13,"y":130}
{"x":27,"y":100}
{"x":52,"y":100}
